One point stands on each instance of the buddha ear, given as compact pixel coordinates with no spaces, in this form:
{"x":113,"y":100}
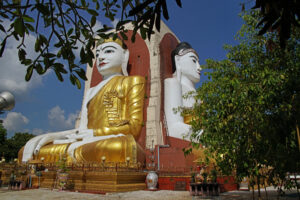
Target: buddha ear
{"x":125,"y":62}
{"x":178,"y":68}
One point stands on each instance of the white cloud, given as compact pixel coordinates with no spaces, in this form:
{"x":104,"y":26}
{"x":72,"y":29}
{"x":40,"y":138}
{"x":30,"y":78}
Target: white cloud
{"x":15,"y":122}
{"x":58,"y":120}
{"x":37,"y":131}
{"x":12,"y":72}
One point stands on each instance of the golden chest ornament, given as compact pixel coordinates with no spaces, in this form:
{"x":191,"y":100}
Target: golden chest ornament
{"x":112,"y":101}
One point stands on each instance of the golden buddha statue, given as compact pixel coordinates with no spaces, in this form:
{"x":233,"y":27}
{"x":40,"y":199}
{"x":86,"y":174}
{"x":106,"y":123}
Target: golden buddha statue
{"x":111,"y":117}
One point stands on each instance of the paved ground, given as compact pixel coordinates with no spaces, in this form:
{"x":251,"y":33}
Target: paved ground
{"x":47,"y":194}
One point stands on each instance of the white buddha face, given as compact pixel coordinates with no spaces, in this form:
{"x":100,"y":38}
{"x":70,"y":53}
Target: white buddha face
{"x":110,"y":57}
{"x":188,"y":65}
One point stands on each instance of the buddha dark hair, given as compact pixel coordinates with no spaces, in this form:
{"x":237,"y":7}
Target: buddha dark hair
{"x":181,"y":45}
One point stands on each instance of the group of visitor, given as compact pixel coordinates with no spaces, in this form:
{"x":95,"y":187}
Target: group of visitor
{"x":17,"y":183}
{"x":14,"y":183}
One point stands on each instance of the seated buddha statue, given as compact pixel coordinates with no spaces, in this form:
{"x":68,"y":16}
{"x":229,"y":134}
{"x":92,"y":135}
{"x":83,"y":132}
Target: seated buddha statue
{"x":111,"y":117}
{"x":186,"y":73}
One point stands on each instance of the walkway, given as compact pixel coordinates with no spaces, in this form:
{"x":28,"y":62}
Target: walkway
{"x":47,"y":194}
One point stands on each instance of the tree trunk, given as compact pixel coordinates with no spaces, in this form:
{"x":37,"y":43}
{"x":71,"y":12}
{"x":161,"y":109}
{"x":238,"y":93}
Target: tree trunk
{"x":265,"y":189}
{"x":253,"y":192}
{"x":258,"y":186}
{"x":298,"y":134}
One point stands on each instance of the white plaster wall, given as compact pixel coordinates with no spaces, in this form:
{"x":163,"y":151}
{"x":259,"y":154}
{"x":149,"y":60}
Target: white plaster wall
{"x":153,"y":124}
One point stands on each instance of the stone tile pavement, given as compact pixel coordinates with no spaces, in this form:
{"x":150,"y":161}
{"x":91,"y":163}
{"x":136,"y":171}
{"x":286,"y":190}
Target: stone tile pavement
{"x":47,"y":194}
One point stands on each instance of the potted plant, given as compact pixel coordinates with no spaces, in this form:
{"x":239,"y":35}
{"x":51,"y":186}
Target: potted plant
{"x":62,"y":172}
{"x":204,"y":175}
{"x":215,"y":185}
{"x":62,"y":164}
{"x":193,"y":177}
{"x":213,"y":175}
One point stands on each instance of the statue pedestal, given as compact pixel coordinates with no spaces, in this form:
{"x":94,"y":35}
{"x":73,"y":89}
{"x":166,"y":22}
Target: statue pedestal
{"x":98,"y":182}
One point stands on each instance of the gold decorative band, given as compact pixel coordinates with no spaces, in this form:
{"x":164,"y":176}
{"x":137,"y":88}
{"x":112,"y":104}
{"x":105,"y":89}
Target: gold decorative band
{"x":110,"y":39}
{"x":185,"y":51}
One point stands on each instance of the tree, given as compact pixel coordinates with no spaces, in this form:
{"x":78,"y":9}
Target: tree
{"x":62,"y":26}
{"x":251,"y":106}
{"x":278,"y":15}
{"x":3,"y":144}
{"x":16,"y":143}
{"x":9,"y":148}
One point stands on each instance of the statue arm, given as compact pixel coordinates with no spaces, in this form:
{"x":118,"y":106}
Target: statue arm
{"x":173,"y":99}
{"x":134,"y":103}
{"x":32,"y":147}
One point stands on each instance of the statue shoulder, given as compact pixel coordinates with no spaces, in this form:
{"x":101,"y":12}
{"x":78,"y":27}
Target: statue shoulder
{"x":134,"y":80}
{"x":171,"y":81}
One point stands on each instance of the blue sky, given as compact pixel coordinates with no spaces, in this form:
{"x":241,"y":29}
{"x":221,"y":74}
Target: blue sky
{"x":45,"y":104}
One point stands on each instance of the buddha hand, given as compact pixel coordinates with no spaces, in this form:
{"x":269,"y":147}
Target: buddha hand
{"x":81,"y":134}
{"x":50,"y":137}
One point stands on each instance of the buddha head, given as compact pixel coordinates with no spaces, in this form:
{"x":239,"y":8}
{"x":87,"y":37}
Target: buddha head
{"x":185,"y":62}
{"x":111,"y":57}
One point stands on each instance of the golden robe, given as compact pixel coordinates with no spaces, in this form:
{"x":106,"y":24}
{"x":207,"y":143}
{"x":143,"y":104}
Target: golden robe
{"x":116,"y":108}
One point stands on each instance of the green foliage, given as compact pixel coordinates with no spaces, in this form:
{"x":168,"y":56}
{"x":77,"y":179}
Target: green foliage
{"x":9,"y":148}
{"x":60,"y":27}
{"x":251,"y":106}
{"x":62,"y":164}
{"x":279,"y":15}
{"x":16,"y":143}
{"x":213,"y":175}
{"x":53,"y":21}
{"x":3,"y":144}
